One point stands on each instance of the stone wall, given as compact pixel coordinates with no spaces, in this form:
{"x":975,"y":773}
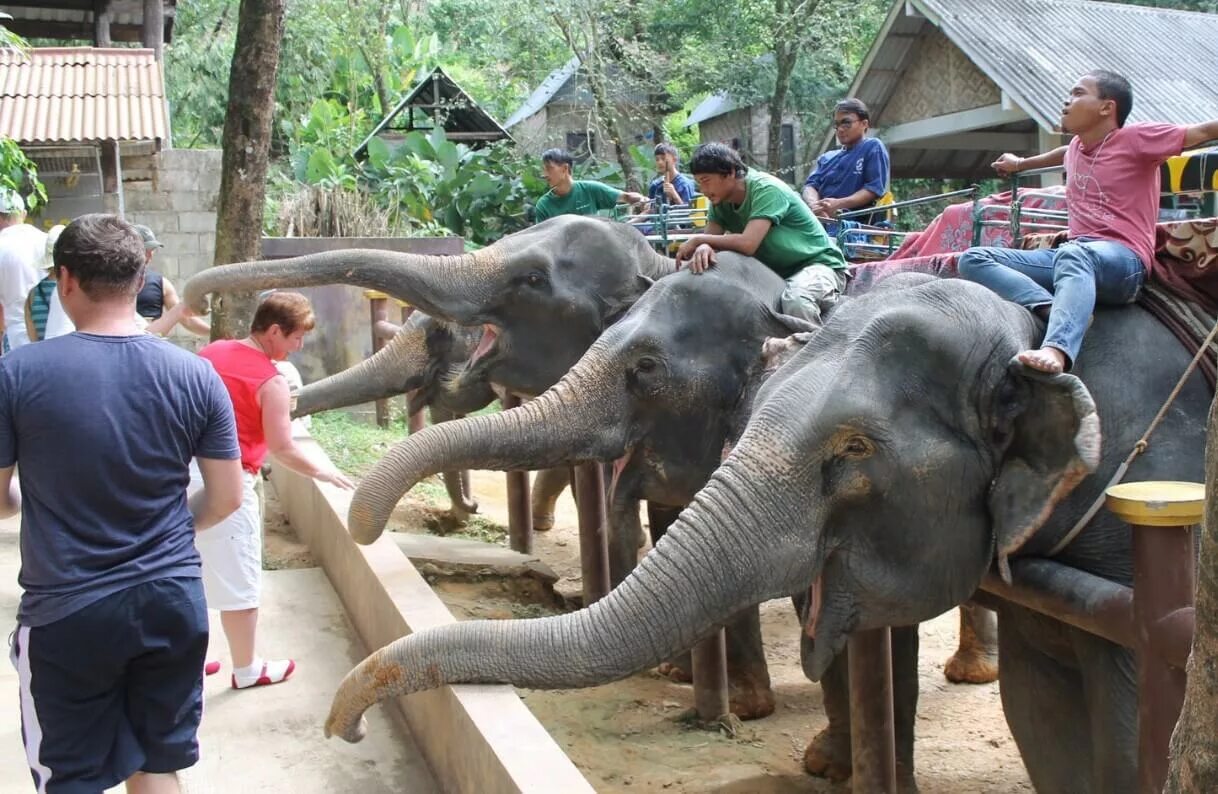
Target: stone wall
{"x":180,"y":207}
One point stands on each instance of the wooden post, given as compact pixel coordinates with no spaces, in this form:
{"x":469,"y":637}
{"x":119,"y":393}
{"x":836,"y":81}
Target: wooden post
{"x":1162,"y":515}
{"x":101,"y":23}
{"x":520,"y":509}
{"x":589,"y":487}
{"x":872,"y":735}
{"x":378,"y":313}
{"x":152,"y":34}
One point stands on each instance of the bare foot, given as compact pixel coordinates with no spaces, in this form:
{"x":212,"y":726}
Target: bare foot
{"x":1045,"y":359}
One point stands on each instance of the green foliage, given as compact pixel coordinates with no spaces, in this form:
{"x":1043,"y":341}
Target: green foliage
{"x":19,"y":173}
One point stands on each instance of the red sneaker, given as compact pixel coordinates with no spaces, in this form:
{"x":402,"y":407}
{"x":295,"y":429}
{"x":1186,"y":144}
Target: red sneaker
{"x":211,"y":668}
{"x":272,"y":673}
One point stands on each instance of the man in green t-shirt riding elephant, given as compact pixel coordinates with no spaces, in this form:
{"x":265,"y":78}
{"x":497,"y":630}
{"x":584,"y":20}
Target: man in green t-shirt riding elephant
{"x":759,"y":215}
{"x":568,"y":196}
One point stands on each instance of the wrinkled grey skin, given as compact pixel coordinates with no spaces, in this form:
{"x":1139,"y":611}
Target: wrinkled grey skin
{"x":666,"y":387}
{"x":891,"y":461}
{"x":542,"y":295}
{"x":424,"y":358}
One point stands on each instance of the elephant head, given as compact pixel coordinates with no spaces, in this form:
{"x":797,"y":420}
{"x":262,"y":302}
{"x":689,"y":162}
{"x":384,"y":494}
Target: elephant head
{"x":424,"y":357}
{"x":542,"y":295}
{"x":884,"y":467}
{"x":664,"y":385}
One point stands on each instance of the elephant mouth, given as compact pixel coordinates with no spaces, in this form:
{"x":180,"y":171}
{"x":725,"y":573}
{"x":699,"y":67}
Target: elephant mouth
{"x":486,"y":345}
{"x":827,"y":624}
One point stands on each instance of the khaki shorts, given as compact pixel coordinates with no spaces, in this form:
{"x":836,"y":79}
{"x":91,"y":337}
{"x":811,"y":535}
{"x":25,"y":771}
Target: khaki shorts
{"x":232,"y":553}
{"x":813,"y":291}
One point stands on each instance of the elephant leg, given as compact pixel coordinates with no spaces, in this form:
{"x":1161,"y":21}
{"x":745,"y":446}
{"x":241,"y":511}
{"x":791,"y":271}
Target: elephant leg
{"x":1110,"y":687}
{"x":456,"y":483}
{"x":1044,"y":700}
{"x":679,"y":668}
{"x":624,"y":528}
{"x":547,"y":486}
{"x":748,"y":677}
{"x":828,"y":754}
{"x":976,"y":659}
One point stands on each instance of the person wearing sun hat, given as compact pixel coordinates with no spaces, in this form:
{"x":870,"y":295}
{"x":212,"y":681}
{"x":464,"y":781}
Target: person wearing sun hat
{"x":22,"y":248}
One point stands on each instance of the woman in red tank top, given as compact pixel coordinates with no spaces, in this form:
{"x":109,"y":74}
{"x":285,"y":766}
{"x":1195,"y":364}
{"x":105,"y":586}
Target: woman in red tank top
{"x":232,"y":550}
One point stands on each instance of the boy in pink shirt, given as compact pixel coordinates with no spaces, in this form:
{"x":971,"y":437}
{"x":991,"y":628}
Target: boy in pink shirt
{"x":1112,"y":191}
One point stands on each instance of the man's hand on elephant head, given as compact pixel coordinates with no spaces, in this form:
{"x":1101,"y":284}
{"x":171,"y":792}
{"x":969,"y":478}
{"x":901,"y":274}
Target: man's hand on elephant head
{"x":699,"y":255}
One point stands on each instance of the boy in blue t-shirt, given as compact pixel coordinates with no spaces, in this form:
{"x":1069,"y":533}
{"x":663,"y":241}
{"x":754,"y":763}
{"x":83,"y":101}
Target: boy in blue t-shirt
{"x":112,"y":626}
{"x":854,"y":176}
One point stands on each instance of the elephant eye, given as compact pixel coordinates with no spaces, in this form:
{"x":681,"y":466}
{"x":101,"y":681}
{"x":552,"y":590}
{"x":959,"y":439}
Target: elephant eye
{"x":534,"y":280}
{"x":646,"y":364}
{"x":857,"y":447}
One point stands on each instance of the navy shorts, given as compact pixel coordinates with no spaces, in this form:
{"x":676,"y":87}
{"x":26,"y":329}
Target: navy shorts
{"x":115,"y":688}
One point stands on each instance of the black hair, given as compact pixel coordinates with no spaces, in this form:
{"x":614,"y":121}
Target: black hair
{"x":1110,"y":85}
{"x":717,"y":158}
{"x":666,"y":148}
{"x":855,"y":106}
{"x":104,"y":253}
{"x":558,"y":157}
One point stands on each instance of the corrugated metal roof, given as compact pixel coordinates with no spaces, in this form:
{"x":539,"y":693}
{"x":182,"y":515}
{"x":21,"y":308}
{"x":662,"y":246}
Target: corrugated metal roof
{"x":68,"y":94}
{"x":1035,"y":50}
{"x":544,"y":92}
{"x":713,"y":106}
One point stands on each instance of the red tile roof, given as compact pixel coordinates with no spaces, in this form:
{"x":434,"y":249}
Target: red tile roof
{"x":72,"y":94}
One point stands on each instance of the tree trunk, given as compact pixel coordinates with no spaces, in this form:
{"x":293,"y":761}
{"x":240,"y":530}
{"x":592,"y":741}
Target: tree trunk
{"x":784,"y":60}
{"x":1194,"y":743}
{"x":246,"y":144}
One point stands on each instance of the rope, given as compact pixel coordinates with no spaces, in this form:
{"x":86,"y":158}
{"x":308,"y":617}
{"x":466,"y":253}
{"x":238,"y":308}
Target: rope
{"x":1139,"y":447}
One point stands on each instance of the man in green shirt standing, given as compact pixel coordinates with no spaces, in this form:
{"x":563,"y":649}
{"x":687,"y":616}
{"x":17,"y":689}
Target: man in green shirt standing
{"x":568,"y":196}
{"x":759,"y":215}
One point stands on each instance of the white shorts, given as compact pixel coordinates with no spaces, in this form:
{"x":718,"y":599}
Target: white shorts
{"x":232,"y":553}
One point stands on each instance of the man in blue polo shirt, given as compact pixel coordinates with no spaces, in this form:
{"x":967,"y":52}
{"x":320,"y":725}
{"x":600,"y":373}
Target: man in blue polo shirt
{"x":854,"y":176}
{"x":112,"y":625}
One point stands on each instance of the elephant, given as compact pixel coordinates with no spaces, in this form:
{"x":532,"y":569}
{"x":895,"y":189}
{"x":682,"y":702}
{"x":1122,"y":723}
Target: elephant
{"x":542,"y":295}
{"x":422,"y":359}
{"x":884,"y":469}
{"x":670,"y":384}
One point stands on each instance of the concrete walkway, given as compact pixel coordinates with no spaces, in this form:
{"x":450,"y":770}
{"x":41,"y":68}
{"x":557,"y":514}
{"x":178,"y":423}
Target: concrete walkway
{"x":267,"y":739}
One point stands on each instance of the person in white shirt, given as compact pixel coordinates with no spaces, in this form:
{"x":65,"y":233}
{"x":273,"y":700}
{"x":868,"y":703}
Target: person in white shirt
{"x":21,"y":251}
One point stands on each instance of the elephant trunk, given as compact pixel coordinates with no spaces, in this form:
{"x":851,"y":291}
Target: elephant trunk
{"x":708,"y":567}
{"x":581,"y":418}
{"x":388,"y":373}
{"x":448,"y":287}
{"x":657,"y":265}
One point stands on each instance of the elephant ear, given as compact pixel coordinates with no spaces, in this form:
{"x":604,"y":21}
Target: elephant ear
{"x":1049,"y":433}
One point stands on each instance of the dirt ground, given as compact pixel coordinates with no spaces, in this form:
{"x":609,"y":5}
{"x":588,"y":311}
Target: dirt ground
{"x":628,"y":736}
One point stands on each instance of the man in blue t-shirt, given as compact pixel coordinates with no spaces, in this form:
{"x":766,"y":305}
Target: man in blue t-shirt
{"x":112,"y":625}
{"x":854,"y":176}
{"x":671,"y":187}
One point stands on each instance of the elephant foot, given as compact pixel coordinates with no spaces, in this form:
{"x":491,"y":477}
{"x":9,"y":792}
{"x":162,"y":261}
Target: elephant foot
{"x":750,"y":701}
{"x":970,"y":666}
{"x":674,"y":673}
{"x":828,"y":756}
{"x":543,"y":522}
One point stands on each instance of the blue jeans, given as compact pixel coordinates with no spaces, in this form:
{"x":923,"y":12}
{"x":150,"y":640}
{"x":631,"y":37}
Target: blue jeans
{"x":1070,"y":279}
